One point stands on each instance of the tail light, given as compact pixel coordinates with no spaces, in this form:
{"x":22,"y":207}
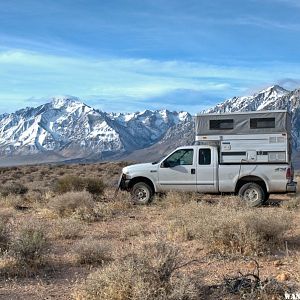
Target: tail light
{"x":289,"y":173}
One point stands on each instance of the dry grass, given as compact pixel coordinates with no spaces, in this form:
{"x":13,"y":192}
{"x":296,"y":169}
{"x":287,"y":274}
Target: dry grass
{"x":67,"y":204}
{"x":4,"y":236}
{"x":67,"y":228}
{"x":89,"y":251}
{"x":292,"y":204}
{"x":71,"y":183}
{"x":229,"y":230}
{"x":142,"y":277}
{"x":14,"y":188}
{"x":29,"y":245}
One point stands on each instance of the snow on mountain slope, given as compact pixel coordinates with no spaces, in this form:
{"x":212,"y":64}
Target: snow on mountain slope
{"x":65,"y":124}
{"x":258,"y":101}
{"x":69,"y":127}
{"x":272,"y":98}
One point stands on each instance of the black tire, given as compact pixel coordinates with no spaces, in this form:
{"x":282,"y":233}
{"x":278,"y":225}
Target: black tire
{"x":267,"y":196}
{"x":142,"y":193}
{"x":253,"y":194}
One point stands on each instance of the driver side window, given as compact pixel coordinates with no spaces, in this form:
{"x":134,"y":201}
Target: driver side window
{"x":180,"y":157}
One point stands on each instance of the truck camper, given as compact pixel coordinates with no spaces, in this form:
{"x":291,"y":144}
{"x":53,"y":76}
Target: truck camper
{"x":245,"y":153}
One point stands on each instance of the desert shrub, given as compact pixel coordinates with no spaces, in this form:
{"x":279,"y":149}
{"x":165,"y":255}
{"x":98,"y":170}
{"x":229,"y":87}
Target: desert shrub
{"x":291,"y":204}
{"x":142,"y":277}
{"x":69,"y":183}
{"x":68,"y":203}
{"x":174,"y":199}
{"x":89,"y":251}
{"x":29,"y":245}
{"x":95,"y":186}
{"x":14,"y":188}
{"x":67,"y":228}
{"x":104,"y":210}
{"x":133,"y":229}
{"x":228,"y":230}
{"x":4,"y":236}
{"x":15,"y":201}
{"x":250,"y":286}
{"x":34,"y":196}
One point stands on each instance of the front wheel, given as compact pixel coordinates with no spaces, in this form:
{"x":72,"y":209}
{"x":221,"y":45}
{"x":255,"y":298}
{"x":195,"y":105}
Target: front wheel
{"x":252,"y":193}
{"x":141,"y":193}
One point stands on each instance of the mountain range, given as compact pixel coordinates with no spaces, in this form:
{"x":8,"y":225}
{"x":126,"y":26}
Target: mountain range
{"x":66,"y":129}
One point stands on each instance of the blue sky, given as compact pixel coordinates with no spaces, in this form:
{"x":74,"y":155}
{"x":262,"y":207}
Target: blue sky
{"x":133,"y":55}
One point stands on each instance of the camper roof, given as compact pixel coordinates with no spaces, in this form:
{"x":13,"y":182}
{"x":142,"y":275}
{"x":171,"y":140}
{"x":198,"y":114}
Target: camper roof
{"x":243,"y":113}
{"x":250,"y":122}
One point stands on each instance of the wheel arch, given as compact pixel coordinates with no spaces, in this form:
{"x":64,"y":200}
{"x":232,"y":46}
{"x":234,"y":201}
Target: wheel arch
{"x":135,"y":180}
{"x":251,"y":178}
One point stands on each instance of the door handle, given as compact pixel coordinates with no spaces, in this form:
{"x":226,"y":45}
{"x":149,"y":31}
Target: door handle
{"x":193,"y":171}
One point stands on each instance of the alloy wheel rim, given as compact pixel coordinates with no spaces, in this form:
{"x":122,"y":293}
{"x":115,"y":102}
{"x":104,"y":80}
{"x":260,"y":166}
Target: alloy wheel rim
{"x":251,"y":195}
{"x":141,"y":194}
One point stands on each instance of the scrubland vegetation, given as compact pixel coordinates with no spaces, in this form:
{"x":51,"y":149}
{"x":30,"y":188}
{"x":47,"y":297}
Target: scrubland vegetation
{"x":66,"y":234}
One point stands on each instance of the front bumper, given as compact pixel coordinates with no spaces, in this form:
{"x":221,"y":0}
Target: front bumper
{"x":123,"y":183}
{"x":291,"y":187}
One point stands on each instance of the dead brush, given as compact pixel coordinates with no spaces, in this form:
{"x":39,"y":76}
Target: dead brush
{"x":148,"y":275}
{"x":228,"y":230}
{"x":133,"y":229}
{"x":4,"y":235}
{"x":292,"y":204}
{"x":70,"y":183}
{"x":16,"y":201}
{"x":13,"y":188}
{"x":29,"y":245}
{"x":114,"y":204}
{"x":175,"y":199}
{"x":67,"y":204}
{"x":93,"y":252}
{"x":67,"y":228}
{"x":251,"y":286}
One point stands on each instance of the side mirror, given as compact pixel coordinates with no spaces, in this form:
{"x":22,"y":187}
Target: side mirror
{"x":165,"y":164}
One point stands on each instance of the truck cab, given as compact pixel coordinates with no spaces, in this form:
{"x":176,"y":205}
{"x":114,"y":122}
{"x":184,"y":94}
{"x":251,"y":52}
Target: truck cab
{"x":189,"y":168}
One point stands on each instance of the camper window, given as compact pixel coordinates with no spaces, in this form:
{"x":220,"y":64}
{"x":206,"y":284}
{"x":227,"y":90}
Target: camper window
{"x":221,"y":124}
{"x":262,"y":123}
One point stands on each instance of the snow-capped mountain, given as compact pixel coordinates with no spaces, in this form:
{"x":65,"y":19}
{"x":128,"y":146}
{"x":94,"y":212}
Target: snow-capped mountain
{"x":259,"y":101}
{"x":65,"y":128}
{"x":272,"y":98}
{"x":73,"y":129}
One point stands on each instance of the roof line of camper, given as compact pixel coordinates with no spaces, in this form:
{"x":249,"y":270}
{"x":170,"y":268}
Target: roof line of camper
{"x":242,"y":112}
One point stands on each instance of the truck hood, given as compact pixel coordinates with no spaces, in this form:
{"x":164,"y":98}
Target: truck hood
{"x":139,"y":167}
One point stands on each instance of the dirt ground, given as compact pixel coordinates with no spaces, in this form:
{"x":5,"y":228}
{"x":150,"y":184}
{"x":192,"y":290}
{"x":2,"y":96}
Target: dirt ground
{"x":124,"y":226}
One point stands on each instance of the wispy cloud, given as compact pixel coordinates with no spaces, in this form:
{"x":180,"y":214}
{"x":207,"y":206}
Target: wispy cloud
{"x":268,"y":23}
{"x":114,"y":82}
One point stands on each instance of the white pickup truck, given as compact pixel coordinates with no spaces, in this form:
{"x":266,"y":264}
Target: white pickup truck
{"x":250,"y":165}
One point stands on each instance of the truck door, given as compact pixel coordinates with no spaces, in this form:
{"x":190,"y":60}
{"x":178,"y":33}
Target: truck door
{"x":207,"y":170}
{"x":178,"y":171}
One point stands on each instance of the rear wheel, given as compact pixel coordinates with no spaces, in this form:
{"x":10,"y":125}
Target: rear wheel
{"x":253,"y":194}
{"x":142,"y":193}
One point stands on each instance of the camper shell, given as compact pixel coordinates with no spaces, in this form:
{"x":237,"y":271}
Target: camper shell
{"x":247,"y":137}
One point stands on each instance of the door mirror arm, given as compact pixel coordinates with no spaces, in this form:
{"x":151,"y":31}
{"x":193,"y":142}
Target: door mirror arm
{"x":165,"y":164}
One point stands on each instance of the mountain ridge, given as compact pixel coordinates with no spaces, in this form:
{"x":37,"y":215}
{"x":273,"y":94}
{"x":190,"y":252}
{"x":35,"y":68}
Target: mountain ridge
{"x":66,"y":129}
{"x":69,"y":127}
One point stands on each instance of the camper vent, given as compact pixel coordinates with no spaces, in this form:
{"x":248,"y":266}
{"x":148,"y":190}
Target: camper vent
{"x":276,"y":139}
{"x":277,"y":156}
